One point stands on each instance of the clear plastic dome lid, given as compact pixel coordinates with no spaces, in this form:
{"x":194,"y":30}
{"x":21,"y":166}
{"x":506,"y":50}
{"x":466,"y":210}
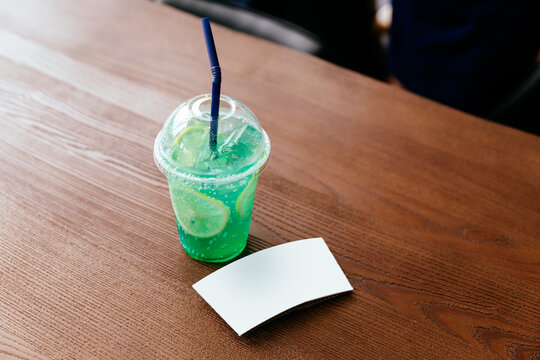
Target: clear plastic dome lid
{"x":182,"y":147}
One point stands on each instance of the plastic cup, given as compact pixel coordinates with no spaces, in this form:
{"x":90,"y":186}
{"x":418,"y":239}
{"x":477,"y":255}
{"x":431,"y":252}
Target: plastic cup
{"x":212,"y":192}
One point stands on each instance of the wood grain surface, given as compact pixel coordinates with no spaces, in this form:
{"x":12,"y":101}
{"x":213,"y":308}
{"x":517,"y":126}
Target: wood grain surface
{"x":434,"y":215}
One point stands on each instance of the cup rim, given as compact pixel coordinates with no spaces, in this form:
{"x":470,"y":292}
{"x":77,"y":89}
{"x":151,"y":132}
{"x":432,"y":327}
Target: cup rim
{"x":168,"y":168}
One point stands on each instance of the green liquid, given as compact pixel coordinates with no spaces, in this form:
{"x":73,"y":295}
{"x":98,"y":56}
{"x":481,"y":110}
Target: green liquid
{"x":213,"y":218}
{"x":230,"y":241}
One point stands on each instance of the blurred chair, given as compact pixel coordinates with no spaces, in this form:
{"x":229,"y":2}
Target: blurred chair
{"x":252,"y":22}
{"x":345,"y":28}
{"x":521,"y":107}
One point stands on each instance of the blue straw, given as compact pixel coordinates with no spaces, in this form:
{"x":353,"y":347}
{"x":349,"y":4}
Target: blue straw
{"x":216,"y":81}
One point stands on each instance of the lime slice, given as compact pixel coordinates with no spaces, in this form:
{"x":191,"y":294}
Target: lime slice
{"x":198,"y":214}
{"x":187,"y":145}
{"x":244,"y":203}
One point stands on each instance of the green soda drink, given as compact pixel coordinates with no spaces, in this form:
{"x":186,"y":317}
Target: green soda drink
{"x":212,"y":192}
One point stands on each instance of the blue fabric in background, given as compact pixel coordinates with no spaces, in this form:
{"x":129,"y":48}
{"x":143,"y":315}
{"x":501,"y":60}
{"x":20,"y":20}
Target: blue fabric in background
{"x":464,"y":53}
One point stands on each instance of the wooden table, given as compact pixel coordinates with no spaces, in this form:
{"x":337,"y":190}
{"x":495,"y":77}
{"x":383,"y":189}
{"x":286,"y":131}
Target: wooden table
{"x":434,"y":215}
